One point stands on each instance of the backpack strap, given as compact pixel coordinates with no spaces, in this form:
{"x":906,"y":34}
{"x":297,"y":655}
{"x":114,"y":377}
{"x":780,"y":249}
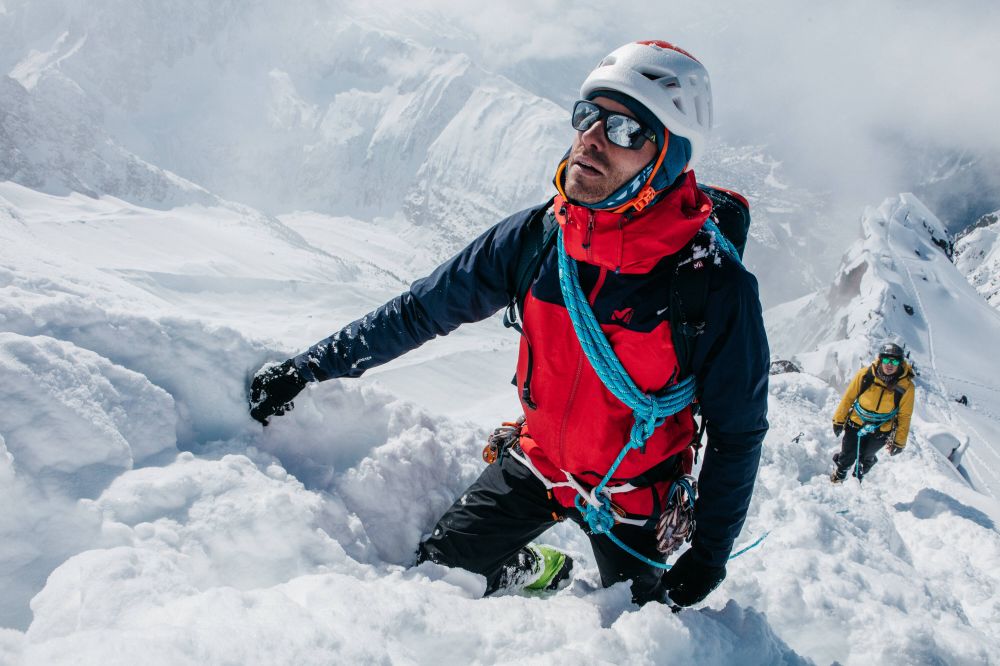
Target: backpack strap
{"x":689,"y":286}
{"x":689,"y":299}
{"x":540,"y":233}
{"x":866,"y":382}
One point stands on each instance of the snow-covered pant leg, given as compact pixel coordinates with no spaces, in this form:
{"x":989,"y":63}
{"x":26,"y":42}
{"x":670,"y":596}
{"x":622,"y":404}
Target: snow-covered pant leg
{"x":504,"y":510}
{"x":616,"y":565}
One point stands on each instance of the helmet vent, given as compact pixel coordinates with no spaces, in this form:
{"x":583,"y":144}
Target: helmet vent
{"x":609,"y":61}
{"x":668,"y":82}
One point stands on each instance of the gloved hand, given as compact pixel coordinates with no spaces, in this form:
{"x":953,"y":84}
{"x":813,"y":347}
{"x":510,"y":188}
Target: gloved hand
{"x":689,"y":581}
{"x":272,"y":390}
{"x":894,"y":449}
{"x":838,"y":428}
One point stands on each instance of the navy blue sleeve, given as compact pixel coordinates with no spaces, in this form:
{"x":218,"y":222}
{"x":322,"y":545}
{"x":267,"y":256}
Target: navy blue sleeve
{"x":470,"y":286}
{"x":731,"y":361}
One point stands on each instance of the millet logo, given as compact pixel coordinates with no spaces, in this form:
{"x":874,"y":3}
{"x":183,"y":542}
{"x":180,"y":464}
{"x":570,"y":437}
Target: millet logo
{"x":622,"y":316}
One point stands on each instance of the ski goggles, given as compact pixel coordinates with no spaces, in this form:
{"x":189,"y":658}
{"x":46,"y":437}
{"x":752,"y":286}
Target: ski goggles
{"x":621,"y":130}
{"x":891,"y":360}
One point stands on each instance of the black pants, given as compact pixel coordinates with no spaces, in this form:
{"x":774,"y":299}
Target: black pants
{"x":870,"y":445}
{"x":505,"y":509}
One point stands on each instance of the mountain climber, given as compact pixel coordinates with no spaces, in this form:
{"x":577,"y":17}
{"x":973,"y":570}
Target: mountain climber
{"x":628,"y":221}
{"x":874,"y":413}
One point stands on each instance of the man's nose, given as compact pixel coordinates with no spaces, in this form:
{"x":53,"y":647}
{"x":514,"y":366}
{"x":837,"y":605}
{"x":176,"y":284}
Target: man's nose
{"x":594,"y":135}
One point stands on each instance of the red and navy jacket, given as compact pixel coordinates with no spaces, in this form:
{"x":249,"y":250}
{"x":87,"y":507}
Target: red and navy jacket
{"x":573,"y":423}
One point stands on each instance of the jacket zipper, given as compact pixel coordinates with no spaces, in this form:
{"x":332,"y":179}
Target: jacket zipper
{"x":591,"y":216}
{"x":526,"y":387}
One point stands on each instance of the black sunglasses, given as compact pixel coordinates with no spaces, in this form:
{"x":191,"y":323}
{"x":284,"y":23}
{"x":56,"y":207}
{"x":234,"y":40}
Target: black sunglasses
{"x":621,"y":130}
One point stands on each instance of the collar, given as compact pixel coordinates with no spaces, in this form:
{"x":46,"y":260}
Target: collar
{"x":634,"y":242}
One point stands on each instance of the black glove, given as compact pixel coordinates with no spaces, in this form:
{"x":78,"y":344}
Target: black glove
{"x":272,"y":390}
{"x":689,"y":581}
{"x":894,"y":449}
{"x":837,"y":429}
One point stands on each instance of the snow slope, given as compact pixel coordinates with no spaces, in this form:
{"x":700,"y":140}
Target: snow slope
{"x":156,"y":521}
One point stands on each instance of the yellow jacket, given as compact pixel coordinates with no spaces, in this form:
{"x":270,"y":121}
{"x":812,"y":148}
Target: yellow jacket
{"x":879,"y":398}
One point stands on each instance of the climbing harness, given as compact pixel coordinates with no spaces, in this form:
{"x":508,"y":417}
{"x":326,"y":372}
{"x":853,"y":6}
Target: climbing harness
{"x":872,"y":422}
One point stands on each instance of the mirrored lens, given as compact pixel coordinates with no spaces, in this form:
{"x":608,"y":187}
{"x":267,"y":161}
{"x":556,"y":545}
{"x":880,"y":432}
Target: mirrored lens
{"x":622,"y":130}
{"x":619,"y":129}
{"x":585,"y":115}
{"x":890,"y":360}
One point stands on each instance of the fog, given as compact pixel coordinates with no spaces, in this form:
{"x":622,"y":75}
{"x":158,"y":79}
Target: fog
{"x":858,"y":99}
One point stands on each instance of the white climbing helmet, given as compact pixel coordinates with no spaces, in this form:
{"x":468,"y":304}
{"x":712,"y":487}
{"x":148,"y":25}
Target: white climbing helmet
{"x":665,"y":79}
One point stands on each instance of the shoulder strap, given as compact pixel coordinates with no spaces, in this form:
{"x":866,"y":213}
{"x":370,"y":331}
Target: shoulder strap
{"x":539,"y":238}
{"x":689,"y":287}
{"x":688,"y":301}
{"x":866,"y":382}
{"x":897,"y":394}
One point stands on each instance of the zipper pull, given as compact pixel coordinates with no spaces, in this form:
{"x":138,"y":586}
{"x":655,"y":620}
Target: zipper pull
{"x":590,"y":230}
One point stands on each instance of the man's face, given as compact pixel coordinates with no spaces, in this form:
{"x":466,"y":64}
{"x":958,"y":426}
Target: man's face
{"x":889,"y":365}
{"x":597,"y":167}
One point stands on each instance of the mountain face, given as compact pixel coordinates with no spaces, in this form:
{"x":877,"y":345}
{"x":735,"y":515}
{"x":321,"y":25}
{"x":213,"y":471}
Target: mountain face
{"x":335,"y":116}
{"x":341,"y":116}
{"x":977,"y":255}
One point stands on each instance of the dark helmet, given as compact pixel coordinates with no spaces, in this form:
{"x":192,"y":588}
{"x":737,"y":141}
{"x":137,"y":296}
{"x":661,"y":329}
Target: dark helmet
{"x":892,"y":350}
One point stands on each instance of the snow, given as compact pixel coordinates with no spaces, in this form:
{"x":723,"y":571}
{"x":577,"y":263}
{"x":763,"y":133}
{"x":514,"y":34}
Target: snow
{"x":131,"y":547}
{"x":145,"y":518}
{"x":977,"y":256}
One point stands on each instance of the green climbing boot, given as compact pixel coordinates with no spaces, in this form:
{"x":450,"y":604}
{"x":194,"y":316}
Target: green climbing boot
{"x":551,"y":568}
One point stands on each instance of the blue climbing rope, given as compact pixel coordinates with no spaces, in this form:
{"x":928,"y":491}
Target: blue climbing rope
{"x":649,"y":411}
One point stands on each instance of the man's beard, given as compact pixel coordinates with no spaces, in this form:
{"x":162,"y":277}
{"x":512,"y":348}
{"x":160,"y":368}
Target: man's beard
{"x":596,"y":189}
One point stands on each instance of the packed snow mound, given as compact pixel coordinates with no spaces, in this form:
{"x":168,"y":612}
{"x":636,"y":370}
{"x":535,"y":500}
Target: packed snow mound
{"x":72,"y":409}
{"x":977,"y":256}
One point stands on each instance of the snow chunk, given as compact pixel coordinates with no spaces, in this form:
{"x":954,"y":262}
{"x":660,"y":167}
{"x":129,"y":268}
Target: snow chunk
{"x":77,"y":410}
